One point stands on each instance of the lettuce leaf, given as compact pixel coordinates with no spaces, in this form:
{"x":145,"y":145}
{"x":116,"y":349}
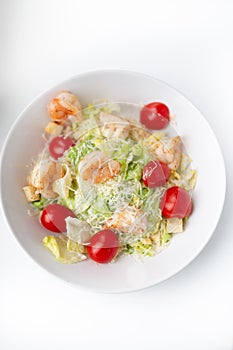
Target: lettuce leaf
{"x":185,"y":176}
{"x":62,"y":186}
{"x":42,"y":203}
{"x":140,"y":249}
{"x":165,"y":236}
{"x":78,"y":152}
{"x":94,"y":109}
{"x":134,"y":171}
{"x":63,"y":251}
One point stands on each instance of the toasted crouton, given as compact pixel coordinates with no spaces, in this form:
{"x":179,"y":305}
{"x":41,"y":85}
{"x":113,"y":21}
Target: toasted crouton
{"x":53,"y":128}
{"x":31,"y":194}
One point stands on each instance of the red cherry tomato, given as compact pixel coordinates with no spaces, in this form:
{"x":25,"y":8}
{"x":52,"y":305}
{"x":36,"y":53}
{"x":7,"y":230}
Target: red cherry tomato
{"x":103,"y":246}
{"x":59,"y":145}
{"x":155,"y":174}
{"x":53,"y":217}
{"x":155,"y":115}
{"x":176,"y":203}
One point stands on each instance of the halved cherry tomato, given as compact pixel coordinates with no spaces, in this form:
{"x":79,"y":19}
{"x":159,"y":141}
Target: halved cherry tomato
{"x":155,"y":174}
{"x":53,"y":217}
{"x":59,"y":145}
{"x":155,"y":115}
{"x":176,"y":203}
{"x":103,"y":246}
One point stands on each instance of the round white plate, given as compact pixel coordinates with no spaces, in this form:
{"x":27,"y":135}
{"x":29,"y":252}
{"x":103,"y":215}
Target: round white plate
{"x":25,"y":141}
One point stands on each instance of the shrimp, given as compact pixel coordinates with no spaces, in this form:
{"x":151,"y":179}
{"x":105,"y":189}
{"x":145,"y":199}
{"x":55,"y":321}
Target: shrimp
{"x":43,"y":175}
{"x":168,"y":151}
{"x":97,"y":168}
{"x":130,"y":220}
{"x":65,"y":104}
{"x":114,"y":127}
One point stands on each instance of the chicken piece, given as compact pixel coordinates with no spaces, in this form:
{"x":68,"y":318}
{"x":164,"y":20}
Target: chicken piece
{"x":168,"y":151}
{"x":31,"y":194}
{"x":97,"y":168}
{"x":113,"y":126}
{"x":65,"y":104}
{"x":130,"y":220}
{"x":138,"y":132}
{"x":43,"y":175}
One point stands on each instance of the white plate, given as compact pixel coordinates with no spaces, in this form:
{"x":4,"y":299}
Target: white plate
{"x":24,"y":142}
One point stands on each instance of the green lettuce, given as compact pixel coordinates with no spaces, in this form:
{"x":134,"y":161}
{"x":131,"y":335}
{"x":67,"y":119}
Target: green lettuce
{"x":185,"y":176}
{"x":94,"y":109}
{"x":78,"y":152}
{"x":68,"y":202}
{"x":140,"y":248}
{"x":63,"y":249}
{"x":165,"y":236}
{"x":134,"y":171}
{"x":151,"y":204}
{"x":42,"y":203}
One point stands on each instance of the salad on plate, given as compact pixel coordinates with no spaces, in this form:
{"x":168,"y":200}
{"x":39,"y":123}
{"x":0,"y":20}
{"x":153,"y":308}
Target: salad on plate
{"x":109,"y":183}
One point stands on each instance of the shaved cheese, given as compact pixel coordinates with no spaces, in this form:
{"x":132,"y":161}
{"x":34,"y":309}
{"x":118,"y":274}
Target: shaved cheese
{"x":174,"y":225}
{"x":77,"y":230}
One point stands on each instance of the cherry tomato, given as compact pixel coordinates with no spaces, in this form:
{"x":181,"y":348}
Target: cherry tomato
{"x":155,"y":174}
{"x":103,"y":246}
{"x":176,"y":203}
{"x":155,"y":115}
{"x":53,"y":217}
{"x":59,"y":145}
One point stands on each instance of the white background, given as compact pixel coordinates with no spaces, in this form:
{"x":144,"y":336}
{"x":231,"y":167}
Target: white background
{"x":185,"y":43}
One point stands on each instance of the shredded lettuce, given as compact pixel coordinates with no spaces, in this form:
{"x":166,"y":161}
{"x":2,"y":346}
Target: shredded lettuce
{"x":94,"y":217}
{"x":94,"y":109}
{"x":185,"y":176}
{"x":84,"y":196}
{"x":132,"y":157}
{"x":134,"y":171}
{"x":88,"y":128}
{"x":103,"y":200}
{"x":165,"y":236}
{"x":140,"y":249}
{"x":78,"y":152}
{"x":117,"y":149}
{"x":100,"y":206}
{"x":42,"y":203}
{"x":68,"y":202}
{"x":151,"y":205}
{"x":118,"y":193}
